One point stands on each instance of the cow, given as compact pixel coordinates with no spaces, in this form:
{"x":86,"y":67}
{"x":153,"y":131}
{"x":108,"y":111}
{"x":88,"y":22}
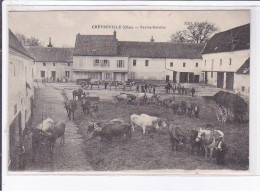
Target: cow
{"x":209,"y":140}
{"x":195,"y":146}
{"x":177,"y":137}
{"x":77,"y":93}
{"x":45,"y":125}
{"x":140,"y":98}
{"x":145,"y":121}
{"x":86,"y":106}
{"x":112,"y":129}
{"x":183,"y":105}
{"x":193,"y":107}
{"x":71,"y":107}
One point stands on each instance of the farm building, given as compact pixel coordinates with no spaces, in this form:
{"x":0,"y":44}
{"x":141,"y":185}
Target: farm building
{"x":103,"y":57}
{"x":20,"y":96}
{"x":52,"y":63}
{"x":224,"y":54}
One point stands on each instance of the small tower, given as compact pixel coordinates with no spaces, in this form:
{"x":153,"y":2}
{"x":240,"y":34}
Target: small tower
{"x":50,"y":45}
{"x":152,"y":40}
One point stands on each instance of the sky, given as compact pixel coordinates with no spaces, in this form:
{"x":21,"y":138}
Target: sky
{"x":63,"y":26}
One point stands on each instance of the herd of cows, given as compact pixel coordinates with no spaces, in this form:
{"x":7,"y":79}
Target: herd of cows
{"x":202,"y":140}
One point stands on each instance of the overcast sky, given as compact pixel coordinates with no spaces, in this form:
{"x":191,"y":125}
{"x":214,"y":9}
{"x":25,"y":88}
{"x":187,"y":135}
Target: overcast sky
{"x":62,"y":26}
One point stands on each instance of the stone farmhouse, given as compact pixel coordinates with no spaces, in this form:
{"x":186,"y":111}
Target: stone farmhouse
{"x":20,"y":96}
{"x":52,"y":63}
{"x":103,"y":57}
{"x":226,"y":59}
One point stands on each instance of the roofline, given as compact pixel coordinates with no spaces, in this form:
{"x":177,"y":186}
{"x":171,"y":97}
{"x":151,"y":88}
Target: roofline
{"x":55,"y":61}
{"x":226,"y":51}
{"x":27,"y":55}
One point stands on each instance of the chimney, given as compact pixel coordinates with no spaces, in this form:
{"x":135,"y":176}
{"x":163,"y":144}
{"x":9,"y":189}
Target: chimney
{"x":50,"y":45}
{"x":152,"y":40}
{"x":114,"y":34}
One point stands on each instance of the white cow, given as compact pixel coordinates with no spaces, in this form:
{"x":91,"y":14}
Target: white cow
{"x":145,"y":121}
{"x":46,"y":124}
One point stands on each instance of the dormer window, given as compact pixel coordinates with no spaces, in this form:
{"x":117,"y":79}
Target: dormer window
{"x":53,"y":64}
{"x":184,"y":64}
{"x":230,"y":61}
{"x":171,"y":64}
{"x":44,"y":64}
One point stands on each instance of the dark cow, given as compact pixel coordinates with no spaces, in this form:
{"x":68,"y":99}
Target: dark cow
{"x":111,"y":130}
{"x":71,"y":107}
{"x":86,"y":106}
{"x":177,"y":138}
{"x":77,"y":93}
{"x":195,"y":146}
{"x":221,"y":151}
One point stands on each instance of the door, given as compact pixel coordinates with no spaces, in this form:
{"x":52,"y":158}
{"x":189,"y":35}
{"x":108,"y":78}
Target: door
{"x":206,"y":77}
{"x":196,"y":78}
{"x":174,"y":76}
{"x":123,"y":77}
{"x":53,"y":75}
{"x":183,"y":77}
{"x":191,"y":77}
{"x":167,"y":78}
{"x":220,"y":79}
{"x":42,"y":74}
{"x":229,"y":80}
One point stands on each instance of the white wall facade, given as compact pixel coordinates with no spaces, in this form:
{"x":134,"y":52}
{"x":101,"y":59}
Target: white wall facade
{"x":59,"y":67}
{"x":154,"y":71}
{"x":220,"y":62}
{"x":242,"y":83}
{"x":20,"y":72}
{"x":86,"y":67}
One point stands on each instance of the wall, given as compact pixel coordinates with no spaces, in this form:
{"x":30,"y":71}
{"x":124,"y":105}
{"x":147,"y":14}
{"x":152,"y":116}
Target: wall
{"x":242,"y":80}
{"x":237,"y":60}
{"x":20,"y":72}
{"x":154,"y":71}
{"x":60,"y":68}
{"x":84,"y":67}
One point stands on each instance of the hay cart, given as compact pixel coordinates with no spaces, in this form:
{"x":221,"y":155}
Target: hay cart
{"x":230,"y":107}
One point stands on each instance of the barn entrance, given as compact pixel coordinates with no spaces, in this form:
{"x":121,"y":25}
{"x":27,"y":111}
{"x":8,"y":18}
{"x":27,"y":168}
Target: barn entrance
{"x":229,"y":80}
{"x":191,"y":77}
{"x":15,"y":134}
{"x":184,"y":77}
{"x":174,"y":76}
{"x":220,"y":79}
{"x":196,"y":78}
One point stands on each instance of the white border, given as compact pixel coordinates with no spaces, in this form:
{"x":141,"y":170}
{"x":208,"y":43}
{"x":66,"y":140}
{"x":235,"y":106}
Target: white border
{"x":140,"y":182}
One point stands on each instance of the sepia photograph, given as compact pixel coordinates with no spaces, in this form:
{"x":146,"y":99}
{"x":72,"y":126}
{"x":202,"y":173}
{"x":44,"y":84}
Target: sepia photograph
{"x":130,"y":91}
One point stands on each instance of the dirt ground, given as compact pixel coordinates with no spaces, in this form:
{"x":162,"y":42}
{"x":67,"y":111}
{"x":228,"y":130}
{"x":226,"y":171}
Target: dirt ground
{"x":153,"y":151}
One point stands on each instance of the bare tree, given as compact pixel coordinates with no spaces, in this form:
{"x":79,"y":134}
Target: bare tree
{"x":198,"y":32}
{"x":32,"y":41}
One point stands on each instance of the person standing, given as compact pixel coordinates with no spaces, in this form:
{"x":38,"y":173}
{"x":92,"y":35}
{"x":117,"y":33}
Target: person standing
{"x":153,"y":89}
{"x":137,"y":88}
{"x":192,"y":91}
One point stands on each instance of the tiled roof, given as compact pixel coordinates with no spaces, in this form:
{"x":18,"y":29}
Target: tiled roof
{"x":95,"y":45}
{"x":51,"y":54}
{"x":234,"y":39}
{"x":108,"y":45}
{"x":15,"y":44}
{"x":160,"y":50}
{"x":244,"y":69}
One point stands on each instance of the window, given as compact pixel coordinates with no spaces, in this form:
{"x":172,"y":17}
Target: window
{"x":96,"y":62}
{"x":230,"y":61}
{"x":53,"y":64}
{"x":220,"y":62}
{"x":132,"y":75}
{"x":146,"y":63}
{"x":171,"y":64}
{"x":120,"y":64}
{"x":105,"y":63}
{"x":42,"y":74}
{"x":94,"y":75}
{"x":205,"y":62}
{"x":212,"y":64}
{"x":68,"y":64}
{"x":44,"y":64}
{"x":67,"y":74}
{"x":184,"y":64}
{"x":15,"y":109}
{"x":107,"y":76}
{"x":243,"y":88}
{"x":134,"y":62}
{"x":197,"y":64}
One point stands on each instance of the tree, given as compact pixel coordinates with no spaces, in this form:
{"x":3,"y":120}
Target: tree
{"x":198,"y":32}
{"x":32,"y":41}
